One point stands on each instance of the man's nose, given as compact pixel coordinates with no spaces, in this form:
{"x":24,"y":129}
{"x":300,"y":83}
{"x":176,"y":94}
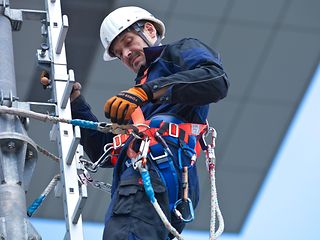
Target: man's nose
{"x":127,"y":53}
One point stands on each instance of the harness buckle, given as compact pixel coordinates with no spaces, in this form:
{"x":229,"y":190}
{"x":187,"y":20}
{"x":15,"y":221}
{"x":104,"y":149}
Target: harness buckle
{"x":173,"y":130}
{"x":195,"y":129}
{"x":161,"y":158}
{"x":117,"y":143}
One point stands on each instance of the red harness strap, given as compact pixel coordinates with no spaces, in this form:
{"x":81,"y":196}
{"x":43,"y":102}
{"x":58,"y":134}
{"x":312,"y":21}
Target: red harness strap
{"x":182,"y":130}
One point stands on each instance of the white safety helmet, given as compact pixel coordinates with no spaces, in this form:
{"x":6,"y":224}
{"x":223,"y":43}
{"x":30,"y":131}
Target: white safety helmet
{"x":119,"y":20}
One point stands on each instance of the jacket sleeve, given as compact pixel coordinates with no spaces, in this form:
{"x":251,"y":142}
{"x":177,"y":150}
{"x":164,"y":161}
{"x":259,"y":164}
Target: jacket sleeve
{"x":199,"y":77}
{"x":92,"y":141}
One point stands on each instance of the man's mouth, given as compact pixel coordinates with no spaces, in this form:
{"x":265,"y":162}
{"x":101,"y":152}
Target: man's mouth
{"x":133,"y":59}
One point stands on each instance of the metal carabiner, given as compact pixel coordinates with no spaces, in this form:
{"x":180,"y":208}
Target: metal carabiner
{"x":210,"y":153}
{"x":93,"y":167}
{"x":183,"y":209}
{"x":140,"y":157}
{"x":104,"y":127}
{"x":85,"y":178}
{"x":107,"y":153}
{"x":116,"y":128}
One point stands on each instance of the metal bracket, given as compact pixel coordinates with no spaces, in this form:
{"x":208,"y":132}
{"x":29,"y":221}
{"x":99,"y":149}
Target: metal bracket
{"x":15,"y":17}
{"x":45,"y":108}
{"x":74,"y":145}
{"x":62,"y":34}
{"x":36,"y":15}
{"x":67,"y":90}
{"x":53,"y":133}
{"x":80,"y":204}
{"x":10,"y":98}
{"x":58,"y":189}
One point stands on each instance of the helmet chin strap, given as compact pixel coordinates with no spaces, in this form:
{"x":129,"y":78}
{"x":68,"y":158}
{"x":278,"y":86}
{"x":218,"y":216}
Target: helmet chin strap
{"x":138,"y":28}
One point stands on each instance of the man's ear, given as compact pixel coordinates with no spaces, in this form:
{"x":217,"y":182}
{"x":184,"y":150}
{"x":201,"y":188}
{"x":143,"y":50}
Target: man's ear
{"x":150,"y":30}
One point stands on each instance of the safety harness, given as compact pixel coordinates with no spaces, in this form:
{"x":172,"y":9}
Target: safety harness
{"x":161,"y":131}
{"x":154,"y":136}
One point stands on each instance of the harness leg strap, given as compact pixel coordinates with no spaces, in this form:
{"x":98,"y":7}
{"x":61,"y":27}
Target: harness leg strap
{"x":167,"y":172}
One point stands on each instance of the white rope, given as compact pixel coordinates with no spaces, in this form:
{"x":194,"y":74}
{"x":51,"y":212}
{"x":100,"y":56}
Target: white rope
{"x":51,"y":185}
{"x":47,"y":153}
{"x":213,"y":204}
{"x":137,"y":164}
{"x":31,"y":114}
{"x":165,"y":221}
{"x":215,"y":209}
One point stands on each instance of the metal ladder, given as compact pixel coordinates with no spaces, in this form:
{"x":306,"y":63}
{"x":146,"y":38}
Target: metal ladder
{"x":67,"y":139}
{"x":52,"y":56}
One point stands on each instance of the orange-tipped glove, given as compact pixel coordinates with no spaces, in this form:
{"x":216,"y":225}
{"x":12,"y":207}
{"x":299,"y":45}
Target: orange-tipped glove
{"x":119,"y":108}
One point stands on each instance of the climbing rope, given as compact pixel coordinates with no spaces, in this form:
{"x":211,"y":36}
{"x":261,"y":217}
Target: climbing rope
{"x":47,"y":153}
{"x":99,"y":126}
{"x":138,"y":161}
{"x":36,"y":203}
{"x":215,"y":209}
{"x":84,"y":178}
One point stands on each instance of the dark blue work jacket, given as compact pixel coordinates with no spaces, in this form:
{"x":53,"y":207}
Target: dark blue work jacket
{"x":194,"y":76}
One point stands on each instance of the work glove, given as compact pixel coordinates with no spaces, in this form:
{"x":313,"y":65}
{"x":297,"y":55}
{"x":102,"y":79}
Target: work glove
{"x":119,"y":108}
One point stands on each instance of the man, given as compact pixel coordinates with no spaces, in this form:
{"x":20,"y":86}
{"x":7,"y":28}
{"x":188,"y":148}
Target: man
{"x":174,"y":85}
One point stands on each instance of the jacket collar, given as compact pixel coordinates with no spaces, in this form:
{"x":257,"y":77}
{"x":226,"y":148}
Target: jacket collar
{"x":151,"y":54}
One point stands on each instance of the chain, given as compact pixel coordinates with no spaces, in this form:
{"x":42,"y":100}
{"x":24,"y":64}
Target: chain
{"x":86,"y":179}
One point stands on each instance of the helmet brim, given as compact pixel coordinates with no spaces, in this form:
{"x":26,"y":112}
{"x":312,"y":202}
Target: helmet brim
{"x":107,"y":57}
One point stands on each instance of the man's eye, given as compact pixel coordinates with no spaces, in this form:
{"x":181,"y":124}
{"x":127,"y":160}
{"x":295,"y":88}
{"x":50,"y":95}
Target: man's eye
{"x":129,"y":40}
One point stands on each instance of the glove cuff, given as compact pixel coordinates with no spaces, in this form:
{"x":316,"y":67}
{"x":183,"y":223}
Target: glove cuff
{"x":131,"y":98}
{"x":147,"y":90}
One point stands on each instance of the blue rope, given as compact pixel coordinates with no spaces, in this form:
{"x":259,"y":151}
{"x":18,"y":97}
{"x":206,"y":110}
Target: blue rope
{"x":84,"y":123}
{"x":35,"y":205}
{"x":147,"y":184}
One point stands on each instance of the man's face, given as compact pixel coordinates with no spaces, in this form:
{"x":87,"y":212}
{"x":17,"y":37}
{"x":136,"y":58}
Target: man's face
{"x":129,"y":49}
